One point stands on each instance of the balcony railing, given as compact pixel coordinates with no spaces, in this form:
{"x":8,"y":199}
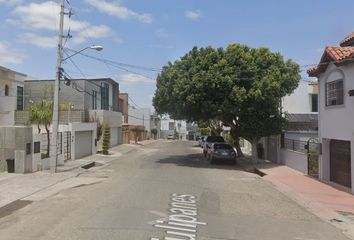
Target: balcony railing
{"x":65,"y":117}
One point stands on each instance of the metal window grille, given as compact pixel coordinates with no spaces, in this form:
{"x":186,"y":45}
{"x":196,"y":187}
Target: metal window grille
{"x":334,"y":93}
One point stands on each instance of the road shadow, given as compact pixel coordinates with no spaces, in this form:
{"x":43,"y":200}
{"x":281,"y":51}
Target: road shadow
{"x":198,"y":161}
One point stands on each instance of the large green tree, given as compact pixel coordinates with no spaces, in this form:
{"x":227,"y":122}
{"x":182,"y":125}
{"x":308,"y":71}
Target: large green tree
{"x":239,"y":86}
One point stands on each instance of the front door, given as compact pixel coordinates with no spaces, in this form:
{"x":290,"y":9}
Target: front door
{"x":340,"y":162}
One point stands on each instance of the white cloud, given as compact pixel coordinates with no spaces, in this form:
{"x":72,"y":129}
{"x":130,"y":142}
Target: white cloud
{"x":193,"y":14}
{"x":10,"y":2}
{"x":92,"y":32}
{"x":45,"y":17}
{"x":162,"y":33}
{"x":39,"y":41}
{"x":131,"y":78}
{"x":10,"y":56}
{"x":117,"y":10}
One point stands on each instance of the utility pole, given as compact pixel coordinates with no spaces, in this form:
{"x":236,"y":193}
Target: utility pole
{"x":144,"y":134}
{"x":55,"y":120}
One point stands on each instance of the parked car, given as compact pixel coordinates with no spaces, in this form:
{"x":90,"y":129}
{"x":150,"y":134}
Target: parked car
{"x":221,"y":151}
{"x":209,"y":140}
{"x":170,"y":137}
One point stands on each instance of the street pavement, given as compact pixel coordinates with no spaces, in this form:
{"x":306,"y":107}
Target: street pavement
{"x":164,"y":190}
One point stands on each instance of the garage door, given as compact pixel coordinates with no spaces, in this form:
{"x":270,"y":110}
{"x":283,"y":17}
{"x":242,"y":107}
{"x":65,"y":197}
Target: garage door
{"x":340,"y":162}
{"x":114,"y":136}
{"x":83,"y":144}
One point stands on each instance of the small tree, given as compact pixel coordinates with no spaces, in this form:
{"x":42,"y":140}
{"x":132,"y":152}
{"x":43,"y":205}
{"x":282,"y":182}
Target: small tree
{"x":106,"y":139}
{"x":136,"y":131}
{"x":154,"y":132}
{"x":204,"y":131}
{"x":41,"y":113}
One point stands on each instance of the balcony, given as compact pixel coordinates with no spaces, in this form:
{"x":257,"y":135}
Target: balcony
{"x":65,"y":117}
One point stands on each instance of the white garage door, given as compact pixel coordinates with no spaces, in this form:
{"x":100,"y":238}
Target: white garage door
{"x":83,"y":144}
{"x":114,"y":136}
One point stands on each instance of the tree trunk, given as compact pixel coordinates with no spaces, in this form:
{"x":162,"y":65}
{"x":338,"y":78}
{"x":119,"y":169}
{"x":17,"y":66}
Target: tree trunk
{"x":238,"y":147}
{"x":48,"y":140}
{"x":39,"y":129}
{"x":254,"y":150}
{"x":236,"y":139}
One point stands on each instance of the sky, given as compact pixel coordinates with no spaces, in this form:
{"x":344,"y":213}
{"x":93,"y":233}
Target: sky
{"x":147,"y":34}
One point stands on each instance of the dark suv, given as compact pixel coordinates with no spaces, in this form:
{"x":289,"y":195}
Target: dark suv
{"x":209,"y":140}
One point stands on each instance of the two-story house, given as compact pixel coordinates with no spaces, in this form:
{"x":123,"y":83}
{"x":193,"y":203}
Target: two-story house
{"x":335,"y":74}
{"x":88,"y":100}
{"x":11,"y":95}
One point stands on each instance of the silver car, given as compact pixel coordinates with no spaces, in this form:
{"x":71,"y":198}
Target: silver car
{"x":221,"y":151}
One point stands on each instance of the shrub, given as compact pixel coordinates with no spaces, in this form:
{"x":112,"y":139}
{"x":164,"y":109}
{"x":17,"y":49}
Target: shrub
{"x":106,"y":139}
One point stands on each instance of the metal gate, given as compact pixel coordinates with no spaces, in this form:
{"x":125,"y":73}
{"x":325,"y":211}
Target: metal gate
{"x":313,"y":154}
{"x":67,"y":145}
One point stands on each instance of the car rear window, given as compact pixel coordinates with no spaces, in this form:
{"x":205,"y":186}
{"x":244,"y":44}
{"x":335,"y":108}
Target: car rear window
{"x":222,"y":146}
{"x":215,"y":139}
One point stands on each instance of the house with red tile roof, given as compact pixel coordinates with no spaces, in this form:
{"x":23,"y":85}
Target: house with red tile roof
{"x":335,"y":73}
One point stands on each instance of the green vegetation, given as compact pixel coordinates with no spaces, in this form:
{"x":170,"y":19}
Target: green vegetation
{"x":154,"y":133}
{"x":204,"y":131}
{"x":239,"y":86}
{"x":136,"y":131}
{"x":41,"y":113}
{"x":106,"y":139}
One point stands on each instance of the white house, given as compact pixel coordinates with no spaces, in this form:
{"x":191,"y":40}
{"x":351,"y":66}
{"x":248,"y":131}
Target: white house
{"x":335,"y":74}
{"x":11,"y":95}
{"x":170,"y":127}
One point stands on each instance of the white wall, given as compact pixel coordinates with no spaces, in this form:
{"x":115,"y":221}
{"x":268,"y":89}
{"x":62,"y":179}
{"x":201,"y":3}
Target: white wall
{"x":336,"y":122}
{"x":300,"y":101}
{"x":295,"y":160}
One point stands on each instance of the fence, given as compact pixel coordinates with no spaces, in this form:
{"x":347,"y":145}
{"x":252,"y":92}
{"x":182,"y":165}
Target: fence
{"x":294,"y":145}
{"x":22,"y":117}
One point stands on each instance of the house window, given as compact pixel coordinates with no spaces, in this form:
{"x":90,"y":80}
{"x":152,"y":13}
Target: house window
{"x":6,"y":90}
{"x":19,"y":98}
{"x":171,"y":126}
{"x":314,"y":102}
{"x":105,"y":96}
{"x":37,"y":147}
{"x":94,"y":99}
{"x":334,"y":93}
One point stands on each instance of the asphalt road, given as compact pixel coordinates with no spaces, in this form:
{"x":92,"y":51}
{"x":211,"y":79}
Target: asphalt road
{"x":164,"y":190}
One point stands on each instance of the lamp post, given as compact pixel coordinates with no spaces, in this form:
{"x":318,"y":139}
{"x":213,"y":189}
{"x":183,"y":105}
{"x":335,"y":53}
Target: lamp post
{"x":55,"y":119}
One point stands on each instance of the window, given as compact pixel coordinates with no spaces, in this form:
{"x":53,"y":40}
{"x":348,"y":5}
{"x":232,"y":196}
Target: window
{"x":20,"y":98}
{"x":334,"y":93}
{"x":314,"y":102}
{"x":171,"y":126}
{"x":37,"y":147}
{"x":105,"y":96}
{"x":6,"y":90}
{"x":94,"y":99}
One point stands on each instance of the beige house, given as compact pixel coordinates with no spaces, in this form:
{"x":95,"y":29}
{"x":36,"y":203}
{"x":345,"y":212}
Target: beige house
{"x":11,"y":95}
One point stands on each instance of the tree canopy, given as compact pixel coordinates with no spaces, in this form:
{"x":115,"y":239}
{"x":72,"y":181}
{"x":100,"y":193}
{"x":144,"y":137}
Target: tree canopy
{"x":240,"y":86}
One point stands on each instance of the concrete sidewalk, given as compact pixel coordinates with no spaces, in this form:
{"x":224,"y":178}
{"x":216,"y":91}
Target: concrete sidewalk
{"x":325,"y":201}
{"x":19,"y":186}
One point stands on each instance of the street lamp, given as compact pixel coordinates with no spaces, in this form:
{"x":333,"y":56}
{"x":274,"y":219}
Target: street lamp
{"x":94,"y":47}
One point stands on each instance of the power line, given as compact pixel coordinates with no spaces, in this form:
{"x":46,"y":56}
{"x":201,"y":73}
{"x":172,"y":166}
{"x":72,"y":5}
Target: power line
{"x":133,"y":102}
{"x":115,"y":63}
